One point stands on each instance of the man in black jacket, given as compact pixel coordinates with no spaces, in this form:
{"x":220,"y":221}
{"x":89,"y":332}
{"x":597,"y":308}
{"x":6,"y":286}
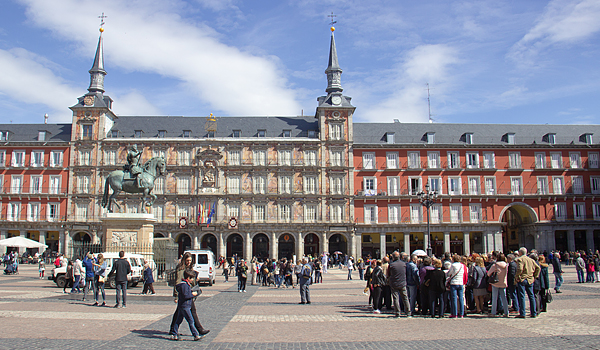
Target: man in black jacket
{"x":510,"y":281}
{"x":396,"y":274}
{"x":558,"y":272}
{"x":120,"y":270}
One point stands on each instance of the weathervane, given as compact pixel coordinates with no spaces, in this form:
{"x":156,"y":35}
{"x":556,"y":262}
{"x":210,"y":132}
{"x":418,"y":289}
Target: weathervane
{"x":102,"y":17}
{"x":332,"y":16}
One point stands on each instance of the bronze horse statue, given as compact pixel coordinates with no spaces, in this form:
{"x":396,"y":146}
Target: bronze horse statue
{"x":118,"y":181}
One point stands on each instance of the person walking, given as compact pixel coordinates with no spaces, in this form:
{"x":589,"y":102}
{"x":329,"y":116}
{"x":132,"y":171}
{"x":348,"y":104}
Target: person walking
{"x":41,"y":268}
{"x":360,"y":266}
{"x":88,"y":263}
{"x":185,"y":299}
{"x":100,"y":273}
{"x":305,"y":279}
{"x":148,"y":279}
{"x":558,"y":272}
{"x":527,"y":272}
{"x":242,"y":275}
{"x":76,"y":276}
{"x":68,"y":277}
{"x":579,"y":267}
{"x":318,"y":274}
{"x":121,"y":268}
{"x":396,"y":276}
{"x":350,"y":265}
{"x":499,"y":288}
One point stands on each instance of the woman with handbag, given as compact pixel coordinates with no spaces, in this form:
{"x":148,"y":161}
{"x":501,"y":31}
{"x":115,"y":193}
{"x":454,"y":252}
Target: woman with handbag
{"x":100,"y":276}
{"x":478,"y":280}
{"x":456,"y":286}
{"x":69,"y":277}
{"x":497,"y":278}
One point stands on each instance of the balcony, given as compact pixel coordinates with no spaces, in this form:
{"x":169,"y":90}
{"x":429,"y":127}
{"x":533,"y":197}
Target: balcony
{"x":13,"y":191}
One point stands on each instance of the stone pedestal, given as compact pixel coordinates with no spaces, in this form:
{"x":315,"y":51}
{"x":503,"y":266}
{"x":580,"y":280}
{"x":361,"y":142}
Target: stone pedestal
{"x":130,"y":232}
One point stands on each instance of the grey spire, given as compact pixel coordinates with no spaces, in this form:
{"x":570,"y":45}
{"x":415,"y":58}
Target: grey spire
{"x":333,"y":71}
{"x":97,"y":71}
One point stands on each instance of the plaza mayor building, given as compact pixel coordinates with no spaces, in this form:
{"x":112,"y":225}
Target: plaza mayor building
{"x":298,"y":185}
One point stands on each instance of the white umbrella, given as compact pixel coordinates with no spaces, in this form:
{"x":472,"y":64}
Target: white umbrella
{"x":419,"y":252}
{"x":21,"y":242}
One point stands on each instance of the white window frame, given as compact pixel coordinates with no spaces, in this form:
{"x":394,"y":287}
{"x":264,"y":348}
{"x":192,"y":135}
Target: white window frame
{"x":472,"y":160}
{"x":579,"y":213}
{"x":285,"y":157}
{"x":83,"y":184}
{"x":473,"y":183}
{"x":259,"y":157}
{"x":430,"y":137}
{"x":259,"y":184}
{"x":454,"y":185}
{"x":433,"y":160}
{"x":435,"y":184}
{"x":542,"y":185}
{"x":234,"y":184}
{"x":336,"y":185}
{"x":487,"y":181}
{"x":110,"y":157}
{"x":489,"y":160}
{"x":54,"y":181}
{"x":560,"y":211}
{"x":336,"y":157}
{"x":475,"y":212}
{"x":81,"y":212}
{"x":577,"y":184}
{"x":595,"y":184}
{"x":159,"y":185}
{"x":2,"y":158}
{"x":53,"y":212}
{"x":284,"y":212}
{"x":370,"y":211}
{"x":36,"y":184}
{"x":540,"y":160}
{"x":575,"y":160}
{"x":13,"y":211}
{"x":36,"y":159}
{"x":233,"y":210}
{"x":393,"y":185}
{"x":596,"y":210}
{"x":184,"y":157}
{"x":184,"y":184}
{"x":310,"y":184}
{"x":453,"y":160}
{"x":416,"y":213}
{"x":336,"y":131}
{"x":593,"y":160}
{"x":18,"y":159}
{"x":556,"y":160}
{"x":455,"y":213}
{"x":558,"y":185}
{"x":336,"y":212}
{"x":158,"y":211}
{"x":436,"y":214}
{"x":514,"y":160}
{"x":516,"y":185}
{"x":370,"y":185}
{"x":392,"y":160}
{"x":234,"y":157}
{"x":310,"y":213}
{"x":368,"y":160}
{"x":285,"y":184}
{"x":419,"y":188}
{"x":414,"y":160}
{"x":394,"y":214}
{"x":16,"y":184}
{"x":33,"y":211}
{"x":310,"y":157}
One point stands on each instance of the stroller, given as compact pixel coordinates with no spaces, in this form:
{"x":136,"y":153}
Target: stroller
{"x":10,"y":270}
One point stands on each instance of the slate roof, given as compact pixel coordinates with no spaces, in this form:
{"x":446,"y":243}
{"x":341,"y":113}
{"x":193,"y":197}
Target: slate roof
{"x":483,"y":134}
{"x":29,"y":132}
{"x":249,"y":126}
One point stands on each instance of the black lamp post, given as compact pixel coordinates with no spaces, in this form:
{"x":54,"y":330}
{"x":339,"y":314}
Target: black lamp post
{"x":427,"y":199}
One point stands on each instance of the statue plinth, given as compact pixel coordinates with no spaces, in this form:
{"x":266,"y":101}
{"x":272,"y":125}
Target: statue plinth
{"x":130,"y":232}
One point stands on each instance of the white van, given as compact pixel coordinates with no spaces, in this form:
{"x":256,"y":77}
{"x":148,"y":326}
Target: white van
{"x":203,"y":261}
{"x":135,"y":260}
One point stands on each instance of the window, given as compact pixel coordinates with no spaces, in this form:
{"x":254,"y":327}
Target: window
{"x":233,"y":185}
{"x":454,"y":186}
{"x":159,"y":185}
{"x":18,"y":159}
{"x":259,"y":213}
{"x":579,"y":211}
{"x":3,"y":135}
{"x":415,"y":214}
{"x":261,"y":133}
{"x":336,"y":185}
{"x":259,"y":157}
{"x":285,"y":157}
{"x":390,"y":137}
{"x":287,"y":133}
{"x":414,"y":160}
{"x":514,"y":160}
{"x":52,"y":212}
{"x":183,"y":184}
{"x":56,"y":158}
{"x":552,"y":139}
{"x":435,"y":214}
{"x":475,"y":213}
{"x":310,"y":214}
{"x":392,"y":160}
{"x":13,"y":211}
{"x":575,"y":159}
{"x":312,"y":134}
{"x":556,"y":160}
{"x":234,"y":157}
{"x":162,"y":134}
{"x":310,"y":157}
{"x":473,"y":182}
{"x":435,"y":184}
{"x":472,"y":160}
{"x":237,"y":133}
{"x":577,"y":182}
{"x":596,"y":210}
{"x":114,"y":133}
{"x":310,"y":184}
{"x":110,"y":157}
{"x":540,"y":160}
{"x":453,"y":160}
{"x":285,"y":213}
{"x":393,"y":214}
{"x":87,"y":131}
{"x":558,"y":185}
{"x":588,"y":139}
{"x":85,"y":157}
{"x":37,"y":159}
{"x":184,"y":211}
{"x":516,"y":185}
{"x":183,"y":157}
{"x":414,"y":184}
{"x":336,"y":158}
{"x":35,"y":185}
{"x":16,"y":184}
{"x":33,"y":211}
{"x":335,"y":131}
{"x":233,"y":210}
{"x":137,"y":134}
{"x":469,"y":138}
{"x":260,"y":184}
{"x":542,"y":185}
{"x":158,"y":210}
{"x":370,"y":186}
{"x":187,"y":133}
{"x":2,"y":158}
{"x":285,"y":184}
{"x":490,"y":185}
{"x":159,"y":152}
{"x":433,"y":160}
{"x":592,"y":160}
{"x":370,"y":214}
{"x":55,"y":185}
{"x":455,"y":211}
{"x":489,"y":161}
{"x":430,"y":137}
{"x":595,"y":184}
{"x":393,"y":185}
{"x":337,"y":212}
{"x":510,"y":138}
{"x":81,"y":212}
{"x":368,"y":160}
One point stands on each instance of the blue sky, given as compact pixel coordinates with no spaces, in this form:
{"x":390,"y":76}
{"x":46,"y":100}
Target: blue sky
{"x":485,"y":61}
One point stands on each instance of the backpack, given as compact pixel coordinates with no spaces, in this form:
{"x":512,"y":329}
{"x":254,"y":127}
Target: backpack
{"x":307,"y":271}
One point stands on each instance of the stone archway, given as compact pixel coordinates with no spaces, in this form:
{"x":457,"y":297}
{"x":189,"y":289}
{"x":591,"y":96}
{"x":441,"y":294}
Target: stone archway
{"x":260,"y":246}
{"x":514,"y":217}
{"x":209,"y":241}
{"x":185,"y":243}
{"x":235,"y":245}
{"x":311,"y":245}
{"x":338,"y":243}
{"x":286,"y":246}
{"x":159,"y":235}
{"x":82,"y":237}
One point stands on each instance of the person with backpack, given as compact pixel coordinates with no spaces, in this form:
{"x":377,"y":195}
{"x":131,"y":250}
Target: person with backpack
{"x":305,"y":279}
{"x":412,"y":282}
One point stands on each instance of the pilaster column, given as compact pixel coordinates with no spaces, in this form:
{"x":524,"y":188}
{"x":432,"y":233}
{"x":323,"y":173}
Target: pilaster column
{"x":61,"y":242}
{"x":467,"y":243}
{"x":382,"y":244}
{"x":446,"y":241}
{"x":484,"y":238}
{"x":426,"y":239}
{"x":571,"y":240}
{"x":550,"y":240}
{"x":589,"y":239}
{"x":324,"y":243}
{"x":300,"y":246}
{"x":42,"y":240}
{"x":498,"y":240}
{"x":220,"y":245}
{"x":274,"y":245}
{"x":407,"y":242}
{"x":3,"y":234}
{"x":67,"y":243}
{"x":248,"y":246}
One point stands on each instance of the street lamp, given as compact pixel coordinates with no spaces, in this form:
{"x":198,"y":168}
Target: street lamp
{"x":427,"y":199}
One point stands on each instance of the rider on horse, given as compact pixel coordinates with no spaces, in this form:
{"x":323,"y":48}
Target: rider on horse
{"x":132,"y":166}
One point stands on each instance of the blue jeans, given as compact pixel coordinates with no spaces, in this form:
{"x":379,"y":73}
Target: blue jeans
{"x":512,"y":293}
{"x":187,"y":314}
{"x":580,"y":277}
{"x":456,"y":292}
{"x":349,"y":274}
{"x":502,"y":292}
{"x":76,"y":284}
{"x":412,"y":298}
{"x":522,"y":288}
{"x":559,"y":280}
{"x":121,"y":290}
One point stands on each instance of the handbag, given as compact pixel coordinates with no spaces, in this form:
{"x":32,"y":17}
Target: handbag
{"x":548,"y":297}
{"x":450,"y":279}
{"x":493,"y":278}
{"x":101,"y":279}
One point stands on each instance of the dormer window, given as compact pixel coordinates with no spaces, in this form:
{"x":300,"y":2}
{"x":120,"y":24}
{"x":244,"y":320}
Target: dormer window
{"x":211,"y":134}
{"x":430,"y":137}
{"x":510,"y":138}
{"x":114,"y":133}
{"x":588,"y":139}
{"x":262,"y":133}
{"x":287,"y":133}
{"x":187,"y":133}
{"x":312,"y":134}
{"x":162,"y":133}
{"x":3,"y":135}
{"x":552,"y":139}
{"x":237,"y":133}
{"x":390,"y":137}
{"x":469,"y":138}
{"x":41,"y":136}
{"x":138,"y":134}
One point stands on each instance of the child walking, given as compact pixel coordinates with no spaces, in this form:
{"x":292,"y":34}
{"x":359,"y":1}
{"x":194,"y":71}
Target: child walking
{"x":42,"y":268}
{"x":185,"y":298}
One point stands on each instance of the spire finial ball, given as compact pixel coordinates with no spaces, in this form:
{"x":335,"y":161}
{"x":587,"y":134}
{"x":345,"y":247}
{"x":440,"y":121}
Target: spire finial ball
{"x":101,"y":30}
{"x":332,"y":29}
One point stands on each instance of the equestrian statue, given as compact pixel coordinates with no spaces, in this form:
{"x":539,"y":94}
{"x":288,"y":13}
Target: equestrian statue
{"x":134,"y":179}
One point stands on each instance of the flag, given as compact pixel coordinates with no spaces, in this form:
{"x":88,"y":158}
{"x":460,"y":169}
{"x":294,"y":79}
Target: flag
{"x":212,"y":212}
{"x":202,"y":218}
{"x":198,"y":216}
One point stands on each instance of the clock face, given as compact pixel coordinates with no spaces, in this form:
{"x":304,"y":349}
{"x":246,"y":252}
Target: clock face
{"x":88,"y":100}
{"x":336,"y":100}
{"x":182,"y":222}
{"x":232,"y":222}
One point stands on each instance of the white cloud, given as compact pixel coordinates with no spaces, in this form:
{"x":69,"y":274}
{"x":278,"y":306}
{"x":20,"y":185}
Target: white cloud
{"x":147,"y":36}
{"x":134,"y":103}
{"x":408,"y":100}
{"x":563,"y":22}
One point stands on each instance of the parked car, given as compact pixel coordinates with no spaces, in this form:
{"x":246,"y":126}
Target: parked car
{"x":135,"y":260}
{"x":203,"y":261}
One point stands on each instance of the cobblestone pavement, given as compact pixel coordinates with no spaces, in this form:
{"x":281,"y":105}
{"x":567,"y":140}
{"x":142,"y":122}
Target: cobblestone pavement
{"x":37,"y":315}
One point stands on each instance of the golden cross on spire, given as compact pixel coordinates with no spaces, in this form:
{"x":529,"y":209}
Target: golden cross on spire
{"x":332,"y":16}
{"x":102,"y":19}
